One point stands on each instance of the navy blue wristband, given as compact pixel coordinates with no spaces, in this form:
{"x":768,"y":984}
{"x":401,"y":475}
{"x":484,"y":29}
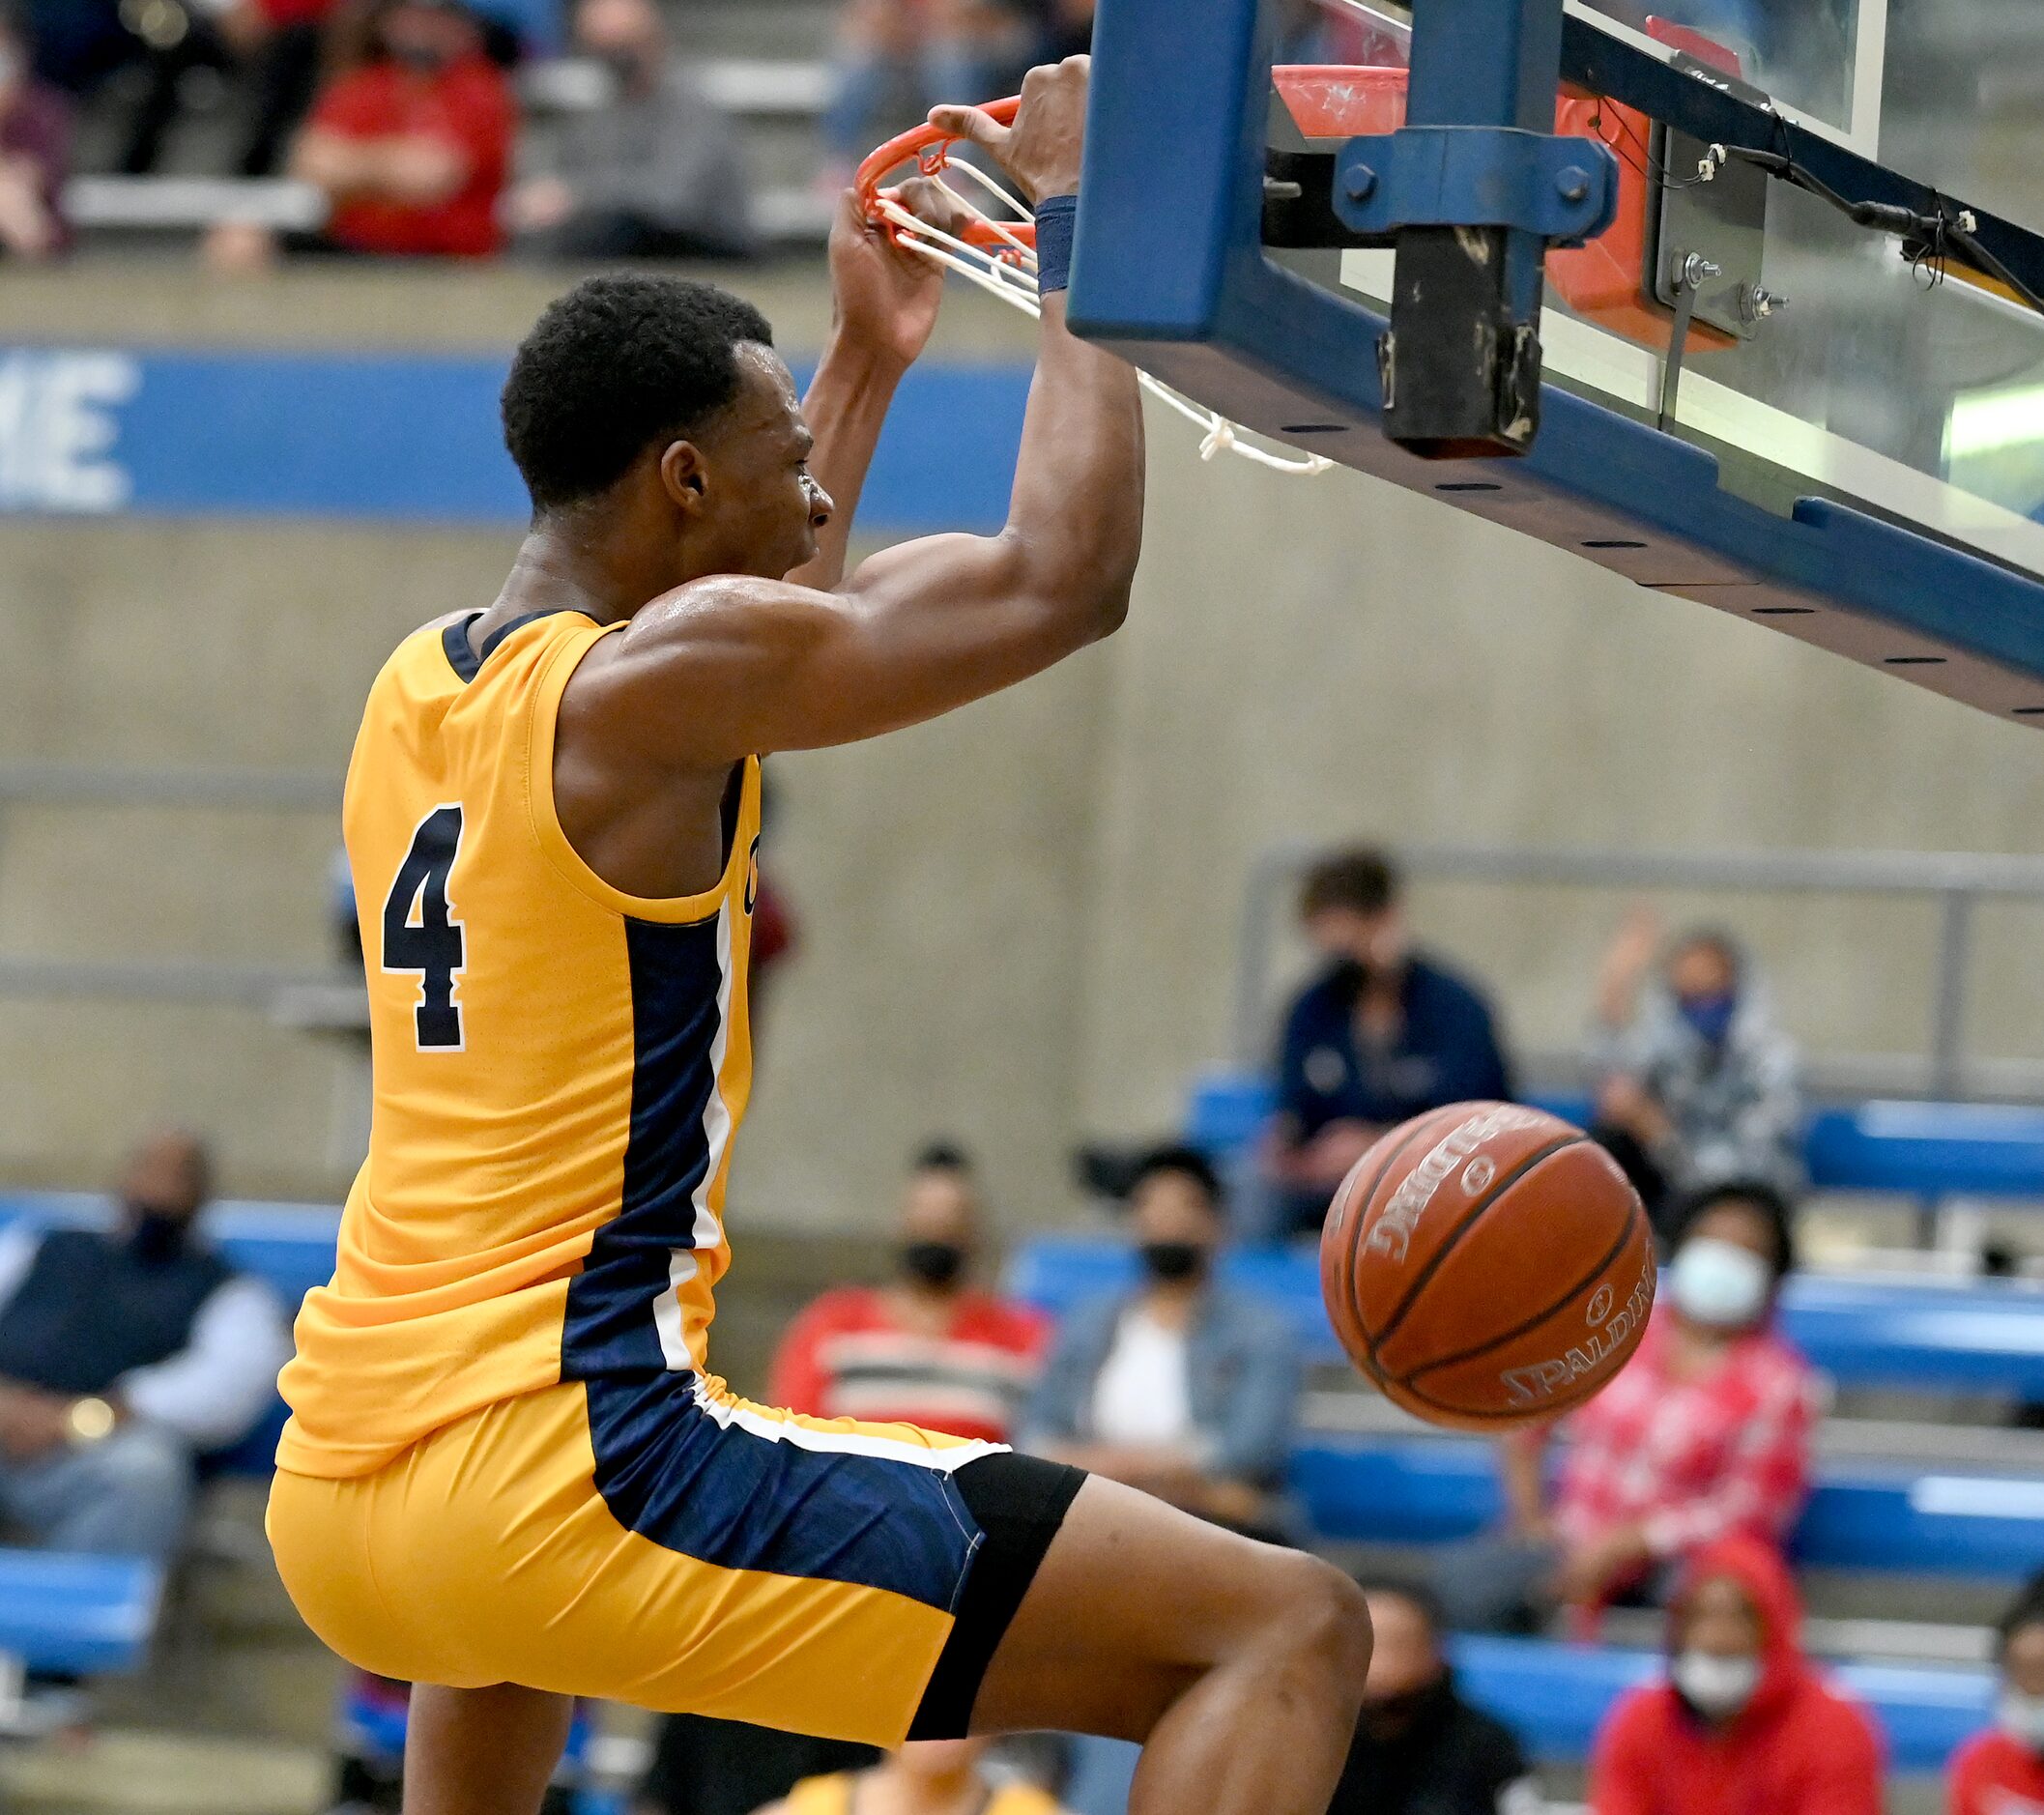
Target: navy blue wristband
{"x":1057,"y":222}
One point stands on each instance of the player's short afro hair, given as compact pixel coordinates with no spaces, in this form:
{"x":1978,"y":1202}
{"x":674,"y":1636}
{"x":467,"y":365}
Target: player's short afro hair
{"x":616,"y":362}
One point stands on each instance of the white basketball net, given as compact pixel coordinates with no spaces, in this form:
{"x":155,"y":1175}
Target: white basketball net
{"x":1010,"y":273}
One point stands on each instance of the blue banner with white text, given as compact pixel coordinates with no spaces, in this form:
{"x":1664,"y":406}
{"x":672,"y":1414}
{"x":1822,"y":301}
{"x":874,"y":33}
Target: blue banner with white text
{"x":401,"y":439}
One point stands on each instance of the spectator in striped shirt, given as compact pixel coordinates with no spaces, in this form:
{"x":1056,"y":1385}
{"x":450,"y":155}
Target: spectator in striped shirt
{"x":1705,"y":1435}
{"x":930,"y":1347}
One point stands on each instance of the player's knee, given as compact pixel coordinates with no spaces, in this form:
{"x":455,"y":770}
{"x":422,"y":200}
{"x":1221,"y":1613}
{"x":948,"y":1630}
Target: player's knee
{"x":1320,"y":1613}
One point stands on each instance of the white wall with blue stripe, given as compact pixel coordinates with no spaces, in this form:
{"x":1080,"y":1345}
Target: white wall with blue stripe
{"x":400,"y":438}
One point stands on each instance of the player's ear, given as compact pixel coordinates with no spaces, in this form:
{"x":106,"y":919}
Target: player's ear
{"x":683,"y":474}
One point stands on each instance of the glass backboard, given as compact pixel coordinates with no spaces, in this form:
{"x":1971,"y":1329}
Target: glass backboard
{"x":1880,"y":377}
{"x":1851,"y":443}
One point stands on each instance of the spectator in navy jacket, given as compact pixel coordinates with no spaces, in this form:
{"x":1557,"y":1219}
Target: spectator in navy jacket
{"x":1420,"y":1748}
{"x":1381,"y":1034}
{"x":124,"y":1355}
{"x":1183,"y":1387}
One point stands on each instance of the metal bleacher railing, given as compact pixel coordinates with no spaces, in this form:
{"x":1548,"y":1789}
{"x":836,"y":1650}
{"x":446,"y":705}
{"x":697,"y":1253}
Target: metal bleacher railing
{"x":1379,"y":1478}
{"x":1363,"y":1473}
{"x":1935,"y":1513}
{"x":59,"y":784}
{"x":747,"y":88}
{"x":1958,"y":883}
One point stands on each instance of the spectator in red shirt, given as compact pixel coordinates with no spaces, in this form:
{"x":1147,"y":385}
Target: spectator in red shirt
{"x":2002,"y":1771}
{"x":414,"y":146}
{"x":1743,"y":1725}
{"x":34,"y":150}
{"x":929,"y":1348}
{"x":1706,"y":1433}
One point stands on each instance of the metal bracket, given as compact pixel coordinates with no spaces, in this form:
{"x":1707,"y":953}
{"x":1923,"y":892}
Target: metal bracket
{"x":1693,"y":271}
{"x":1564,"y":189}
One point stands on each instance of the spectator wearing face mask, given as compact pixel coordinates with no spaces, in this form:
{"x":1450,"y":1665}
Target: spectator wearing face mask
{"x":930,"y":1347}
{"x":124,"y":1356}
{"x":413,"y":145}
{"x":2002,"y":1771}
{"x":1184,"y":1386}
{"x":1382,"y":1033}
{"x":1744,"y":1721}
{"x":1699,"y":1083}
{"x":1420,"y":1748}
{"x":655,"y":174}
{"x":1707,"y":1433}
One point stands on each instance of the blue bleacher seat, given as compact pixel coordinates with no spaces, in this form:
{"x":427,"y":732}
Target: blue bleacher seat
{"x":1929,"y":1149}
{"x":1554,"y":1696}
{"x":289,"y":1246}
{"x":1983,"y":1336}
{"x":1916,"y":1149}
{"x":77,"y":1615}
{"x":1428,"y":1489}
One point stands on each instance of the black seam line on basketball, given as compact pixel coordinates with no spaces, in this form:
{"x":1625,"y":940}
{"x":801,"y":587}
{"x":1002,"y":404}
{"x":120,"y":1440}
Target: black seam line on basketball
{"x":1361,"y":1201}
{"x":1469,"y":1222}
{"x":1533,"y":1323}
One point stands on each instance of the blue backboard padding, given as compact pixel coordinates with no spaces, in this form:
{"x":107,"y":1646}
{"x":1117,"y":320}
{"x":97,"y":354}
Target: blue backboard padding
{"x":1982,"y":1338}
{"x":405,"y":438}
{"x":1425,"y":1490}
{"x":83,"y":1615}
{"x":1189,"y":294}
{"x":1555,"y":1696}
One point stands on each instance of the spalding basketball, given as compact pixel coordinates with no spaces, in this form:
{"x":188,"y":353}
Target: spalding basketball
{"x":1486,"y":1265}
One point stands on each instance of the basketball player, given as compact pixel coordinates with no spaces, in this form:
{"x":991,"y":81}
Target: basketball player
{"x":510,"y":1475}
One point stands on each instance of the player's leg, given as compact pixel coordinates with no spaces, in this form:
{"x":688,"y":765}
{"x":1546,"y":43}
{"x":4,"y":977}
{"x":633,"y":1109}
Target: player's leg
{"x":1239,"y":1665}
{"x":482,"y":1752}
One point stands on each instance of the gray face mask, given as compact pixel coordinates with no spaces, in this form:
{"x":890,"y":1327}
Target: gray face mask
{"x":1717,"y":1688}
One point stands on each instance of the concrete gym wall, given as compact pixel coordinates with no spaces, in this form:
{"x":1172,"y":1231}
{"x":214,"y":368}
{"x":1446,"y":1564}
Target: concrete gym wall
{"x":1019,"y":924}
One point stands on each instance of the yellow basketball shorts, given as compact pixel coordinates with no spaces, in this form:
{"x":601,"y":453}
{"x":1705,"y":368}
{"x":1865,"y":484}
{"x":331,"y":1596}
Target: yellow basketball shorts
{"x":674,"y":1546}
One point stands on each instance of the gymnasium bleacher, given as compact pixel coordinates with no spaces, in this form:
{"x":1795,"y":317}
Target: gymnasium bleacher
{"x":1929,"y":1504}
{"x":756,"y":63}
{"x":1912,"y":1497}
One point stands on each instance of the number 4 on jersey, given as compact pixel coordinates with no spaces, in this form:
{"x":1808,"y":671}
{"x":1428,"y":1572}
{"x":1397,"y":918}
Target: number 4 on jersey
{"x":419,"y":933}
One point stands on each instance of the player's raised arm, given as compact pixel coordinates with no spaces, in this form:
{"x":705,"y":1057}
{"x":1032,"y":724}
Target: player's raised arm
{"x":885,"y":300}
{"x":732,"y":663}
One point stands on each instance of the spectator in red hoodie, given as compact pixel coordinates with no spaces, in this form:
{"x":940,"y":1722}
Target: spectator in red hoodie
{"x":414,"y":146}
{"x":1743,"y":1725}
{"x":2002,"y":1771}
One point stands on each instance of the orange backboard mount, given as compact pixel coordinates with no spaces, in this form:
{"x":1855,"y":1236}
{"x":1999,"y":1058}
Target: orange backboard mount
{"x":1606,"y":280}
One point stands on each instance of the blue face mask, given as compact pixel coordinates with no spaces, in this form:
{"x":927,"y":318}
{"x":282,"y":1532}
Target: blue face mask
{"x":1711,"y":1016}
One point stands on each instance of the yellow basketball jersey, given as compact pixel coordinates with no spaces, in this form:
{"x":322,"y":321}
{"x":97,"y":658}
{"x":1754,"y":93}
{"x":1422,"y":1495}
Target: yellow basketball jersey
{"x":558,"y":1070}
